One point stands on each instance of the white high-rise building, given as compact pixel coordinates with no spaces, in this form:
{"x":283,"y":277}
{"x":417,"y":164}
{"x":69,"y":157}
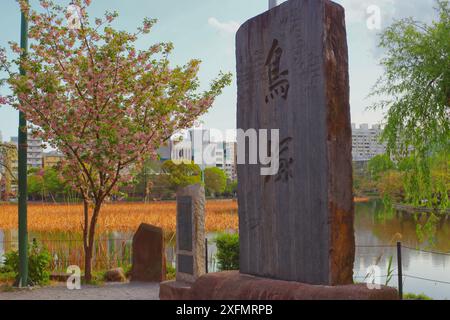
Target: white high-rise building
{"x":35,"y":151}
{"x":230,"y":154}
{"x":203,"y":150}
{"x":366,"y":142}
{"x":220,"y":155}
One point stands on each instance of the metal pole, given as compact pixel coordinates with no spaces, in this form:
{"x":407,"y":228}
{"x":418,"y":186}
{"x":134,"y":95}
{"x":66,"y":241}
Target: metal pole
{"x":22,"y":171}
{"x":206,"y":255}
{"x":272,"y":4}
{"x":400,"y":271}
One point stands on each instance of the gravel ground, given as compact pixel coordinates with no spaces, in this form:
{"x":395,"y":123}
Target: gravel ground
{"x":110,"y":291}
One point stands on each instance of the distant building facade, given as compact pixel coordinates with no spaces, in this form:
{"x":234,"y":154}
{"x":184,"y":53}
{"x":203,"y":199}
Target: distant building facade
{"x":366,"y":142}
{"x":52,"y":159}
{"x":35,"y":151}
{"x":199,"y":148}
{"x":230,"y":160}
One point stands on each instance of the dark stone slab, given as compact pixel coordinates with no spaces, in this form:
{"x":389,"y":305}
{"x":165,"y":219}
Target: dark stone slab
{"x":184,"y":222}
{"x":149,"y":261}
{"x":185,"y":264}
{"x":292,"y":74}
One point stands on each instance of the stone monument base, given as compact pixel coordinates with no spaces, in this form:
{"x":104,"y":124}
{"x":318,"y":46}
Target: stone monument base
{"x":232,"y":285}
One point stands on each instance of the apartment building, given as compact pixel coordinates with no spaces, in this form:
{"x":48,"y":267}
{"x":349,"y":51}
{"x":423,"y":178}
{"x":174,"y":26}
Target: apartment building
{"x":366,"y":142}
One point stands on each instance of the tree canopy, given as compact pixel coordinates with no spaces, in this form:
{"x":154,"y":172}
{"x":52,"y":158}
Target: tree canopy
{"x":182,"y":174}
{"x":215,"y":180}
{"x":90,"y":93}
{"x":415,"y":87}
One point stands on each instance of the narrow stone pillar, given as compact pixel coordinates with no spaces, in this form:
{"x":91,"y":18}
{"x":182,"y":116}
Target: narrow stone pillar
{"x":190,"y":233}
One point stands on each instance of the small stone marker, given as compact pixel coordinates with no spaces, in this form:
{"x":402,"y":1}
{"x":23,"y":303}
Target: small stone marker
{"x":292,"y":73}
{"x":190,"y":233}
{"x":149,"y":261}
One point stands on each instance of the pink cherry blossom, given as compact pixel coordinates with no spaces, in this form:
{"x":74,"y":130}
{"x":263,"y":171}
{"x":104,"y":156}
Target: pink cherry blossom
{"x":102,"y":103}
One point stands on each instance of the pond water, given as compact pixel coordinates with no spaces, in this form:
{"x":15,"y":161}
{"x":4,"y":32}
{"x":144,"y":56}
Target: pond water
{"x":376,"y":233}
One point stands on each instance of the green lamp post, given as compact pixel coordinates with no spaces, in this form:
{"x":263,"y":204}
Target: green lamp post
{"x":22,"y":171}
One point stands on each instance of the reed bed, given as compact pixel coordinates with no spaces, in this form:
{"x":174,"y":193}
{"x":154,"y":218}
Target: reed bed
{"x":220,"y":215}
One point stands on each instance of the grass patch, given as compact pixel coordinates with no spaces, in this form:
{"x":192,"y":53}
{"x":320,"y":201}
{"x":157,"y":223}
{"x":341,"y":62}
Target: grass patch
{"x":170,"y":272}
{"x":413,"y":296}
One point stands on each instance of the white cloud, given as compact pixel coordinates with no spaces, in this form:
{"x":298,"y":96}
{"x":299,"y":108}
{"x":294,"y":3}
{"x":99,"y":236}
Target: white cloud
{"x":356,"y":10}
{"x":224,"y":28}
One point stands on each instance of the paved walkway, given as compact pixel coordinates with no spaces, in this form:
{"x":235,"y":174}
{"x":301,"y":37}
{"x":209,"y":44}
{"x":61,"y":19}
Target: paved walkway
{"x":110,"y":291}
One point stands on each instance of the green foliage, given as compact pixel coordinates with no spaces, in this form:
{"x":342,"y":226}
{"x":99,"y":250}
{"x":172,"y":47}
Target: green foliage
{"x":170,"y":272}
{"x":391,"y":185}
{"x":127,"y":268}
{"x":420,"y":182}
{"x":417,"y":83}
{"x":390,"y":272}
{"x":379,"y":165}
{"x":38,"y":264}
{"x":46,"y":183}
{"x":181,"y":175}
{"x":427,"y":230}
{"x":215,"y":181}
{"x":227,"y":251}
{"x":413,"y":296}
{"x":7,"y":276}
{"x":231,"y":188}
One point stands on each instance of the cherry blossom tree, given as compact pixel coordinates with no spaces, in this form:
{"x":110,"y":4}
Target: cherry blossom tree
{"x":104,"y":104}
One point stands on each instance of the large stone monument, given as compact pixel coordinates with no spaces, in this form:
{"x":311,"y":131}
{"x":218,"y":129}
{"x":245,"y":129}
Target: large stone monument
{"x":292,"y":74}
{"x":149,"y":260}
{"x":295,"y":227}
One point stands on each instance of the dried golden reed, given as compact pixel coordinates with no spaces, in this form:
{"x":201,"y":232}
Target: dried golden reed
{"x":220,"y":215}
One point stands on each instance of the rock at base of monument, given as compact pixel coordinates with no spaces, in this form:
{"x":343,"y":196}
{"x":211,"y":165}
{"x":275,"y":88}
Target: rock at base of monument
{"x":149,"y":262}
{"x":232,"y":285}
{"x":175,"y":290}
{"x":115,"y":275}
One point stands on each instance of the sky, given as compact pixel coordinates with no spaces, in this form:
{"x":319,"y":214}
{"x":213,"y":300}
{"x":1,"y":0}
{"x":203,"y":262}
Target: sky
{"x":205,"y":30}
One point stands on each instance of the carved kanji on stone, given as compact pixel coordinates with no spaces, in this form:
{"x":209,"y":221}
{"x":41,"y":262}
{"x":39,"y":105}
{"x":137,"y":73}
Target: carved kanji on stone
{"x":278,"y":84}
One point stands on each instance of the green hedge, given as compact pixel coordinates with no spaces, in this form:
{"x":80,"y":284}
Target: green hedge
{"x":227,"y":251}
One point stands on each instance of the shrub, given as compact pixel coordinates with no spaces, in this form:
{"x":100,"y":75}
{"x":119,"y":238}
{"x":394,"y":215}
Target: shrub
{"x":38,"y":264}
{"x":227,"y":251}
{"x":170,"y":272}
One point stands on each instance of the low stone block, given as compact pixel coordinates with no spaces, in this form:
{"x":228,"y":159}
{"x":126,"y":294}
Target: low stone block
{"x":175,"y":290}
{"x":149,"y":262}
{"x":232,"y":285}
{"x":115,"y":275}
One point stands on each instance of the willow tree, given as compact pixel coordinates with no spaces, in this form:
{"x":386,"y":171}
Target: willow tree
{"x":104,"y":104}
{"x":415,"y":93}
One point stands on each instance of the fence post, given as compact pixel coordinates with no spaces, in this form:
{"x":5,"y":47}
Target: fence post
{"x":206,"y":255}
{"x":400,"y":271}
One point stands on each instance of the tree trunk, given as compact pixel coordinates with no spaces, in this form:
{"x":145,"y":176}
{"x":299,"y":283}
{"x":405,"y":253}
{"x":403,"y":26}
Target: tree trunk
{"x":89,"y":238}
{"x":88,"y":264}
